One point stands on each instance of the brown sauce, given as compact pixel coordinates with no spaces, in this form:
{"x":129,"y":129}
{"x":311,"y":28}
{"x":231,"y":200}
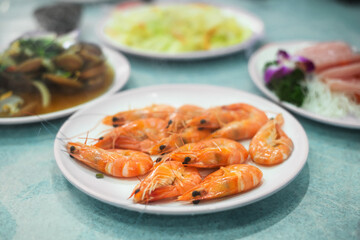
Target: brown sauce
{"x":61,"y":100}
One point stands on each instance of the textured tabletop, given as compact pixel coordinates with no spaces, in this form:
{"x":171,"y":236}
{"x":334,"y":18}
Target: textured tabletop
{"x":323,"y":202}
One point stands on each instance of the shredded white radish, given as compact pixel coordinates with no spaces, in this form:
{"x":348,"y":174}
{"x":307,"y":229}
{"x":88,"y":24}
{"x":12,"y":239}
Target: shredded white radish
{"x":320,"y":99}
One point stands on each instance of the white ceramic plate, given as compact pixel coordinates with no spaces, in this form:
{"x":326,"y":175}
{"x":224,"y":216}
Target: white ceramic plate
{"x":121,"y":69}
{"x":268,"y":53}
{"x":117,"y":191}
{"x":244,"y":18}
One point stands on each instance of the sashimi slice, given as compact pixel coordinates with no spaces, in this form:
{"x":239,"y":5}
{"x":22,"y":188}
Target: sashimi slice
{"x":348,"y":86}
{"x":329,"y":54}
{"x":348,"y":71}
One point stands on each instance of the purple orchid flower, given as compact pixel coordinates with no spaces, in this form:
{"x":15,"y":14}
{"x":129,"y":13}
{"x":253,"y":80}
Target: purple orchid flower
{"x":283,"y":67}
{"x":274,"y":72}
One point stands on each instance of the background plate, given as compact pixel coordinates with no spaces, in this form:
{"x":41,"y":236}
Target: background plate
{"x":244,"y":18}
{"x":121,"y":69}
{"x":117,"y":191}
{"x":268,"y":53}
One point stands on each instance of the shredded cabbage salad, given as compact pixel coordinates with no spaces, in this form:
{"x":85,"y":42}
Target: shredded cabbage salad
{"x":175,"y":28}
{"x":320,"y":99}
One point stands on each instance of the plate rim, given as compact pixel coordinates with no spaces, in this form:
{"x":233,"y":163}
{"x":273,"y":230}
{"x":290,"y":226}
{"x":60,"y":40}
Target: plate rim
{"x":302,"y":112}
{"x":116,"y":86}
{"x":156,"y":209}
{"x":195,"y":55}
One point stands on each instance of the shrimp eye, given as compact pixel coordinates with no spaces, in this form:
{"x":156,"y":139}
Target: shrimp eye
{"x":195,"y":193}
{"x":115,"y":125}
{"x":170,"y":122}
{"x":137,"y":190}
{"x":71,"y":156}
{"x":115,"y":119}
{"x":158,"y":159}
{"x":202,"y":121}
{"x":200,"y":128}
{"x":196,"y":201}
{"x":186,"y":160}
{"x":101,"y":138}
{"x":162,"y":147}
{"x":72,"y":149}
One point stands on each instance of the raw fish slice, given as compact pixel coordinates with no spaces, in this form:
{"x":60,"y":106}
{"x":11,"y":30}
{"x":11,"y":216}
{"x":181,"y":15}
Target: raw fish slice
{"x":348,"y":86}
{"x":329,"y":54}
{"x":342,"y":72}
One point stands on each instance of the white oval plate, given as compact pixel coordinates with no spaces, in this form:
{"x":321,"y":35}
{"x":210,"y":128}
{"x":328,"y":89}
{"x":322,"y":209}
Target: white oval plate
{"x":117,"y":191}
{"x":121,"y":69}
{"x":244,"y":18}
{"x":268,"y":53}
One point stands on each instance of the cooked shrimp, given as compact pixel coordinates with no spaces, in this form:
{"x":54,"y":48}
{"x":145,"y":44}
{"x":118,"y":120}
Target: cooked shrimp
{"x":177,"y":120}
{"x":226,"y":181}
{"x":245,"y":128}
{"x":154,"y":111}
{"x":138,"y":135}
{"x":116,"y":163}
{"x":168,"y":179}
{"x":217,"y":117}
{"x":166,"y":156}
{"x":176,"y":140}
{"x":271,"y":145}
{"x":210,"y":153}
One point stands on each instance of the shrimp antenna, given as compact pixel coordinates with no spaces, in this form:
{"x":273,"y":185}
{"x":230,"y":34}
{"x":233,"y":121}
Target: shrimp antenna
{"x":177,"y":178}
{"x":183,"y":122}
{"x":91,"y":129}
{"x":219,"y":121}
{"x":217,"y":146}
{"x":62,"y":139}
{"x":88,"y":138}
{"x":182,"y":141}
{"x":49,"y":123}
{"x":271,"y":112}
{"x":87,"y":135}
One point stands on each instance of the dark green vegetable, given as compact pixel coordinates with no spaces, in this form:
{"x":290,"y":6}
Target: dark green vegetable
{"x":268,"y":64}
{"x":63,"y":73}
{"x":288,"y":88}
{"x":2,"y":68}
{"x":99,"y":175}
{"x":46,"y":48}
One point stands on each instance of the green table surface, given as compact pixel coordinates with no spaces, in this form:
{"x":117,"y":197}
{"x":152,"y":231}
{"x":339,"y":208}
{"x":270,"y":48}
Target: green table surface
{"x":322,"y":202}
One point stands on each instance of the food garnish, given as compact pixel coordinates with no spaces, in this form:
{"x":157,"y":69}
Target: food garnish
{"x":99,"y":175}
{"x":286,"y":75}
{"x":323,"y":78}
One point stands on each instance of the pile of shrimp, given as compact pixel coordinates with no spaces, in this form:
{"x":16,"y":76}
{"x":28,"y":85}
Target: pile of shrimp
{"x":184,"y":141}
